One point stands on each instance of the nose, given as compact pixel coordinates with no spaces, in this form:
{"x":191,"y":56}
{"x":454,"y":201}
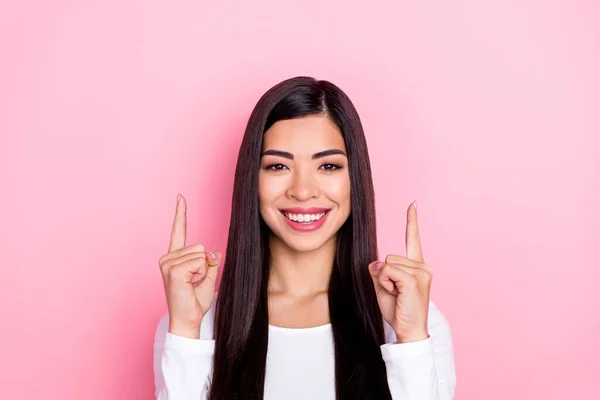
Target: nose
{"x":303,"y":186}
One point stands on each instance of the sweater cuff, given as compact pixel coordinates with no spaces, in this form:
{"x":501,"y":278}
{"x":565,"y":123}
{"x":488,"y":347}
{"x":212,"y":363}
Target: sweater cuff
{"x":188,"y":345}
{"x":396,"y":351}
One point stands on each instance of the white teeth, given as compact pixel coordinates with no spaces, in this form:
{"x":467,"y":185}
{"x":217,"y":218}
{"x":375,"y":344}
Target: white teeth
{"x":304,"y":217}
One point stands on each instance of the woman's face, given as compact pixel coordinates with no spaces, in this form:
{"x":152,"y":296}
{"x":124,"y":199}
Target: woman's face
{"x":303,"y":181}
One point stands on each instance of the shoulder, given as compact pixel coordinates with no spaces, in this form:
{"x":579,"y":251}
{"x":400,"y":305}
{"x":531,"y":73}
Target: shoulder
{"x":206,"y":329}
{"x":437,"y":325}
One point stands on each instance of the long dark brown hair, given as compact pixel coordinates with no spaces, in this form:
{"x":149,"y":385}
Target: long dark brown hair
{"x":242,"y":318}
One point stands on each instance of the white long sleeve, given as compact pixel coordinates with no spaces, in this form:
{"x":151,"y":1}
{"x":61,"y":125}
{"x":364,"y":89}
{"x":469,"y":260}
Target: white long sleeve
{"x":184,"y":371}
{"x":422,"y":370}
{"x":183,"y":366}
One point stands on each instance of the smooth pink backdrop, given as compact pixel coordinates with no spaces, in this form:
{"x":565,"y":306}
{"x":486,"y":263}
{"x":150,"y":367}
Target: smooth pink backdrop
{"x":485,"y":112}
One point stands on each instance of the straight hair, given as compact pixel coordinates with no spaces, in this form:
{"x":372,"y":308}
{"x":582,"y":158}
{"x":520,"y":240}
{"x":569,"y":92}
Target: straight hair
{"x":242,"y":318}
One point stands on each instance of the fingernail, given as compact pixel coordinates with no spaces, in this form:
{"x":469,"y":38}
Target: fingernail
{"x":212,"y":255}
{"x":415,"y":204}
{"x":178,"y":197}
{"x":378,"y":266}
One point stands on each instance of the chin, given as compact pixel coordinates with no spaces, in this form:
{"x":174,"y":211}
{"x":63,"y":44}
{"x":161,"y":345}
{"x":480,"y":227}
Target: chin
{"x":306,"y":244}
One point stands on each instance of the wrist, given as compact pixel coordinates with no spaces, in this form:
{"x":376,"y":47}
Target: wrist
{"x":412,"y":337}
{"x":187,"y":332}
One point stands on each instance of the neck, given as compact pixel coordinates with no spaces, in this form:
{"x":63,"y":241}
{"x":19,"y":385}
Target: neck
{"x":300,"y":273}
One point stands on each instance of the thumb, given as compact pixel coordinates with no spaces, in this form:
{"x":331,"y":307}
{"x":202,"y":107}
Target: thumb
{"x":213,"y":264}
{"x":374,"y":270}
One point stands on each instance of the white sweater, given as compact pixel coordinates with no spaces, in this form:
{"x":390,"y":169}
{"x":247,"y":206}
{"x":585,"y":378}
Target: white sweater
{"x":300,"y":362}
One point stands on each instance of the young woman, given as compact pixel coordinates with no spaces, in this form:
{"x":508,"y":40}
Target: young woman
{"x":305,"y":310}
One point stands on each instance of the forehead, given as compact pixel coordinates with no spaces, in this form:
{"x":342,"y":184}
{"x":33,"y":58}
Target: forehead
{"x":304,"y":135}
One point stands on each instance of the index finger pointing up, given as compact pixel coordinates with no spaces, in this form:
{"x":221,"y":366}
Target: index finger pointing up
{"x":179,"y":226}
{"x":413,"y":240}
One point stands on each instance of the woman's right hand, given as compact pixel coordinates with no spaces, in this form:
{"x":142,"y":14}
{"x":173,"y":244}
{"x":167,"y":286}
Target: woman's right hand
{"x":189,"y":276}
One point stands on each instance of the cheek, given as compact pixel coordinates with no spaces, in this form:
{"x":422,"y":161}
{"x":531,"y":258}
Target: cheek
{"x":268,"y":191}
{"x":338,"y":189}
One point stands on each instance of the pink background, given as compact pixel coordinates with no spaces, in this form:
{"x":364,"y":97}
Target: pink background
{"x":485,"y":112}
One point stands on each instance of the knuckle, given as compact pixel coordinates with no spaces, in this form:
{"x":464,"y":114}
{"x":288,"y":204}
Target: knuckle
{"x":390,"y":258}
{"x":192,"y":256}
{"x":169,"y":266}
{"x":387,"y":271}
{"x":426,"y":271}
{"x":390,"y":268}
{"x":411,"y":281}
{"x":424,"y":276}
{"x":197,"y":247}
{"x":165,"y":258}
{"x":169,"y":263}
{"x":172,"y":273}
{"x":165,"y":266}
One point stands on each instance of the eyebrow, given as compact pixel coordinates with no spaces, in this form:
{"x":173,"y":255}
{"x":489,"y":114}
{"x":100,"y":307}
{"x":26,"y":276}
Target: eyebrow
{"x":320,"y":154}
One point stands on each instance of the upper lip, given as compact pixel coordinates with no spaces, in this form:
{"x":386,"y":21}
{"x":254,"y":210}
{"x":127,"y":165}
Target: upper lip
{"x":302,"y":210}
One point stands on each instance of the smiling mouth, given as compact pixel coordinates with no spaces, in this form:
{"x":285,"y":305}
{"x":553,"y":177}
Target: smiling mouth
{"x":304,"y":218}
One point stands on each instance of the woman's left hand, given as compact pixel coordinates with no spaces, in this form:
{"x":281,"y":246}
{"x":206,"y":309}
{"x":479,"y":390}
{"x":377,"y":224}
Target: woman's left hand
{"x":402,"y":285}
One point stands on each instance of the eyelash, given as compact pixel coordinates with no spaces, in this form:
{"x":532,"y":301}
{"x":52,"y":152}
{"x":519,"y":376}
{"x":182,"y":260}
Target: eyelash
{"x":270,"y":167}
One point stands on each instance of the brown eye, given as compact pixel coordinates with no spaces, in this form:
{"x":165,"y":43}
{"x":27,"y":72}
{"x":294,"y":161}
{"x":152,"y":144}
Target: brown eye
{"x":330,"y":167}
{"x":275,"y":167}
